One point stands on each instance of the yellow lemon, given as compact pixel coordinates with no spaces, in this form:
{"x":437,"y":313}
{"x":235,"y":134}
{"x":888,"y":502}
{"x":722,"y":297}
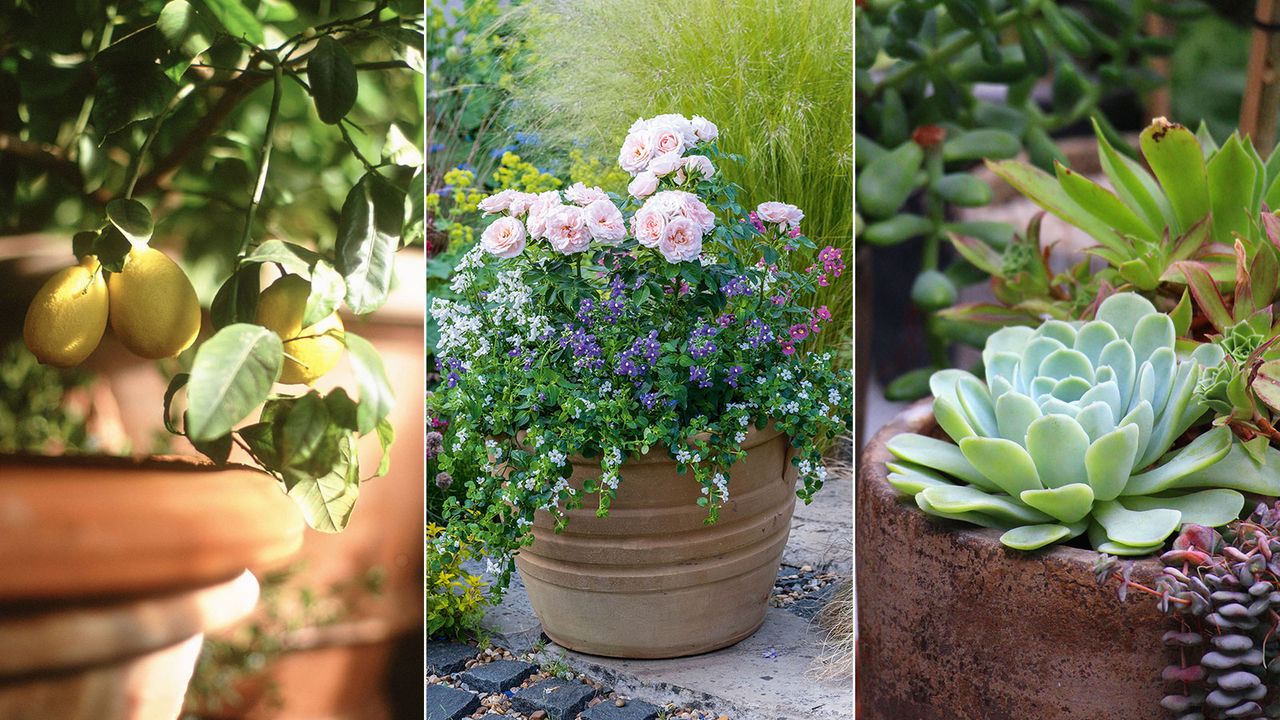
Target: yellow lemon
{"x":68,"y":315}
{"x":154,"y":309}
{"x":311,"y":351}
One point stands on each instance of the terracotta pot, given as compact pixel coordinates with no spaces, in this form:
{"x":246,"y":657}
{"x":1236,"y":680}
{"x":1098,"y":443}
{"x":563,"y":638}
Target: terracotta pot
{"x":652,"y":580}
{"x":115,"y":567}
{"x":954,"y":626}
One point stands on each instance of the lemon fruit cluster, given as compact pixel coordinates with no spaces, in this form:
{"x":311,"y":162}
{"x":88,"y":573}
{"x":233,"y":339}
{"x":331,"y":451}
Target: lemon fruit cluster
{"x":311,"y":351}
{"x":150,"y":304}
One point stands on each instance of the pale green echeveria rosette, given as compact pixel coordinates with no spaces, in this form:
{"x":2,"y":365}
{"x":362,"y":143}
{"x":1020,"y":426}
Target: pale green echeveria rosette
{"x":1055,"y":442}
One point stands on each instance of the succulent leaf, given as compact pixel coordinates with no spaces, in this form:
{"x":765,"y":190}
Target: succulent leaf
{"x":1066,"y":433}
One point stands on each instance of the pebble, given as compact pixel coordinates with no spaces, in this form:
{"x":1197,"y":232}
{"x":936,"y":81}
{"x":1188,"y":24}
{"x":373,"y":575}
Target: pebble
{"x":538,"y":715}
{"x":620,"y":702}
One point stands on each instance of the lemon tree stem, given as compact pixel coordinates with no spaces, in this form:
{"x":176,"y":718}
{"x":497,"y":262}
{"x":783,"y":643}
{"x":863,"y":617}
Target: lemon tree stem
{"x":265,"y":157}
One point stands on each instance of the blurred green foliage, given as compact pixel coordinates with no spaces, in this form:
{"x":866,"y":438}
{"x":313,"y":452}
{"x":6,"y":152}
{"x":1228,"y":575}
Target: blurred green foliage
{"x":35,"y":415}
{"x":943,"y":84}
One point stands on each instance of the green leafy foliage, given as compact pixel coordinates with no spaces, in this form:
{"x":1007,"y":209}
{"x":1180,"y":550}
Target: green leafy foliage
{"x":922,"y":123}
{"x":36,"y":412}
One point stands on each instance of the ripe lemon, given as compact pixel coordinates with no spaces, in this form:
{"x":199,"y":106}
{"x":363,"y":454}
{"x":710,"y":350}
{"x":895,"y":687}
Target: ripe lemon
{"x":68,"y":315}
{"x":311,"y":351}
{"x":154,"y":309}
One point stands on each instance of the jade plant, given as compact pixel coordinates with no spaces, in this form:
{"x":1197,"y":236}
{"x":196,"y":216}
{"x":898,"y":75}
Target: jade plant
{"x":1073,"y":431}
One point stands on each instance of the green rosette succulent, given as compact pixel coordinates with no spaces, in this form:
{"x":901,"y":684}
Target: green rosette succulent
{"x":1071,"y":433}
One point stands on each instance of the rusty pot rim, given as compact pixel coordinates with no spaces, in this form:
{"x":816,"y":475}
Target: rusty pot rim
{"x":918,"y":418}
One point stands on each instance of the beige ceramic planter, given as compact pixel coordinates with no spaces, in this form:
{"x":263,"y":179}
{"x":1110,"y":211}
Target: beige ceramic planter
{"x":652,"y":580}
{"x":114,"y":570}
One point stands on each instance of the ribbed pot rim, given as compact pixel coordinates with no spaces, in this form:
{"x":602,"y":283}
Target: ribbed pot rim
{"x":918,"y":418}
{"x":659,"y":454}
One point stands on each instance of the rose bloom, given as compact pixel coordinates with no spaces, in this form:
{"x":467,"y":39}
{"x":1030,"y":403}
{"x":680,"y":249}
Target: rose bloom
{"x":700,"y":164}
{"x":675,"y":123}
{"x":582,"y":195}
{"x":505,"y":237}
{"x":497,"y":202}
{"x":643,"y":185}
{"x":669,"y":202}
{"x":703,"y":129}
{"x":681,"y":241}
{"x":780,"y":214}
{"x":636,"y":151}
{"x":567,"y":230}
{"x":520,"y":203}
{"x":667,"y":141}
{"x":648,"y":225}
{"x":694,"y":209}
{"x":664,"y":165}
{"x":542,"y":206}
{"x":604,"y":221}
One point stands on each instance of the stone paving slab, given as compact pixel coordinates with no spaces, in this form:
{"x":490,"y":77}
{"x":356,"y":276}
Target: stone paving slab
{"x":497,"y":676}
{"x":561,"y":699}
{"x":447,"y":703}
{"x":446,"y":658}
{"x":633,"y":710}
{"x":822,"y":531}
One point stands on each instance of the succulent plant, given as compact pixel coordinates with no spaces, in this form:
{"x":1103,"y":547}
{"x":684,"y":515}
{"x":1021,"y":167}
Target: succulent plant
{"x":1064,"y":436}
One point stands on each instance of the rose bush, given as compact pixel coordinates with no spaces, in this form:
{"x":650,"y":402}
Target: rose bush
{"x":602,"y":327}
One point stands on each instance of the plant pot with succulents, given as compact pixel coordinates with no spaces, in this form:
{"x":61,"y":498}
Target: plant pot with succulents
{"x":632,"y":375}
{"x":1090,"y":438}
{"x":155,"y":560}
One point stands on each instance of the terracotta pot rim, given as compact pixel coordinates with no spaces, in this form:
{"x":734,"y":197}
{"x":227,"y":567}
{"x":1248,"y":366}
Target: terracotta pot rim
{"x":660,"y":454}
{"x":141,"y":463}
{"x":918,"y":418}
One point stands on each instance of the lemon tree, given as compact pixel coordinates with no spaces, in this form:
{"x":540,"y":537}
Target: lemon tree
{"x":263,"y":133}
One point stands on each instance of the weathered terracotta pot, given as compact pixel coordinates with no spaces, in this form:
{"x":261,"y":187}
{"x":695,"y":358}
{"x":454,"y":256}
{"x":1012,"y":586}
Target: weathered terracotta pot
{"x":114,"y":570}
{"x":954,"y":626}
{"x":652,"y":580}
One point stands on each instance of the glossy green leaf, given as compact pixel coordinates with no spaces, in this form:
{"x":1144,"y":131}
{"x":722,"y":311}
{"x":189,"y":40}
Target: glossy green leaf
{"x":131,"y":218}
{"x":980,"y":144}
{"x":1266,"y":384}
{"x":1069,"y":503}
{"x":1231,"y":175}
{"x":235,"y":18}
{"x":333,"y":81}
{"x":1058,"y":445}
{"x":939,"y":455}
{"x":909,"y":478}
{"x":376,"y":397}
{"x":327,"y":500}
{"x":369,"y":228}
{"x":973,"y":518}
{"x":895,"y":230}
{"x":327,"y":291}
{"x":232,"y":374}
{"x":386,"y":438}
{"x":1205,"y":291}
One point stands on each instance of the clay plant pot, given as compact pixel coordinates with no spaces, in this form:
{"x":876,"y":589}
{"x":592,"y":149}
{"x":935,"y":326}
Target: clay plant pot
{"x":651,"y":580}
{"x":954,"y":626}
{"x":114,"y":570}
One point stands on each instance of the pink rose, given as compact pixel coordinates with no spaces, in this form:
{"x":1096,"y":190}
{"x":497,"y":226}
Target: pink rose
{"x":665,"y":164}
{"x":699,"y":213}
{"x":582,"y":195}
{"x":520,"y":203}
{"x":648,"y":225}
{"x":669,"y":202}
{"x":681,"y":241}
{"x":667,"y":141}
{"x":543,"y":205}
{"x":780,"y":214}
{"x":701,"y":164}
{"x":636,"y":151}
{"x":505,"y":237}
{"x":703,"y":129}
{"x":567,"y":230}
{"x":678,"y":124}
{"x":497,"y":202}
{"x":604,"y":221}
{"x":643,"y":185}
